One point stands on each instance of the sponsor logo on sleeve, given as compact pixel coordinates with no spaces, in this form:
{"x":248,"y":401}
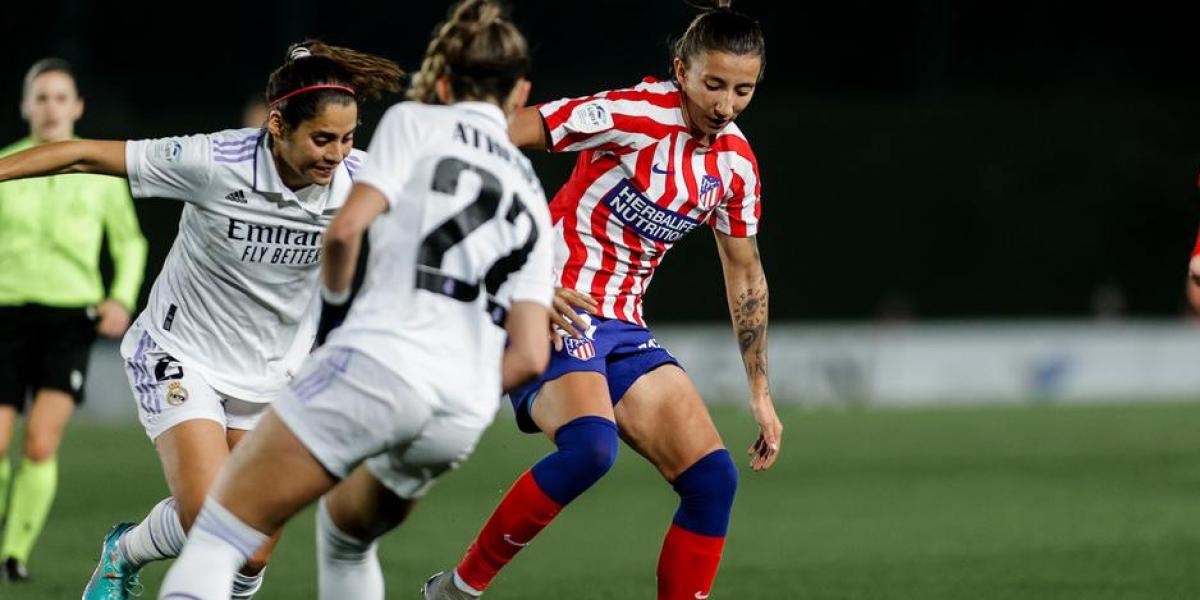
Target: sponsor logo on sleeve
{"x":591,"y":117}
{"x":167,"y":151}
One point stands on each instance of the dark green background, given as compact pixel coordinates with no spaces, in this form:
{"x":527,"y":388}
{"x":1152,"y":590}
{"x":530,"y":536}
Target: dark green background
{"x":935,"y":159}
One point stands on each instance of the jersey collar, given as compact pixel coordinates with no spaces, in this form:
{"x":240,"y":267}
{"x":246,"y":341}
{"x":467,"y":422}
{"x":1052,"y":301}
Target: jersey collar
{"x":487,"y":109}
{"x":268,"y":182}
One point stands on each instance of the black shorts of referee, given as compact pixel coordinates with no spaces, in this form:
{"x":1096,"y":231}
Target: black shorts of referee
{"x":44,"y":347}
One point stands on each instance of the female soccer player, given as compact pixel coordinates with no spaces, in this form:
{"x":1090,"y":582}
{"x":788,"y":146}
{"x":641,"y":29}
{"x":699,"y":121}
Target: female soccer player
{"x":49,"y":290}
{"x":233,"y":311}
{"x":656,"y":161}
{"x":460,"y":254}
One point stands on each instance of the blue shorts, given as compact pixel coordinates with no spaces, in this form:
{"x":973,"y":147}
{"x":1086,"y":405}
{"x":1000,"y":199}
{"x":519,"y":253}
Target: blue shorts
{"x":616,"y":349}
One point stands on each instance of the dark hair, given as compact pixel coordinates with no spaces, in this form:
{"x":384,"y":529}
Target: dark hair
{"x":315,"y":63}
{"x":481,"y":51}
{"x":723,"y":29}
{"x":46,"y":65}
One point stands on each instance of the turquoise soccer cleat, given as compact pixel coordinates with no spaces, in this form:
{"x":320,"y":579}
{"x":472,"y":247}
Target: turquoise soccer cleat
{"x":113,"y":578}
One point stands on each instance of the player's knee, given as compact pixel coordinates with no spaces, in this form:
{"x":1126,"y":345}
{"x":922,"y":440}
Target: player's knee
{"x":706,"y":491}
{"x":587,"y":449}
{"x":591,"y":443}
{"x":41,"y":446}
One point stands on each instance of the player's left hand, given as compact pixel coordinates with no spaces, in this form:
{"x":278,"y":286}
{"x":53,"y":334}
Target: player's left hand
{"x":765,"y":449}
{"x":111,"y":319}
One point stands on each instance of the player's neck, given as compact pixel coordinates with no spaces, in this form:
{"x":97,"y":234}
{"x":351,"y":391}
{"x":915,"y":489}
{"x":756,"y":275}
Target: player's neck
{"x":704,"y":139}
{"x":47,"y":138}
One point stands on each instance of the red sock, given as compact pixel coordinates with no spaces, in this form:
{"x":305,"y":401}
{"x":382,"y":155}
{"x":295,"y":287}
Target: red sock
{"x":688,"y":564}
{"x":523,"y":512}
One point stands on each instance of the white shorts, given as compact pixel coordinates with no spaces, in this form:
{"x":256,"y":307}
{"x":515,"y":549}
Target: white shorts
{"x":346,"y":408}
{"x":169,"y":392}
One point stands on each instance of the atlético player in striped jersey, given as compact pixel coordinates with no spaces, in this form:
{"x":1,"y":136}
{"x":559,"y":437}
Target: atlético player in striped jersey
{"x":656,"y":161}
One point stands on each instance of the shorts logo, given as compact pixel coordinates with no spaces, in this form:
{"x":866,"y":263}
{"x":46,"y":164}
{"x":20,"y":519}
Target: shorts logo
{"x":581,"y":349}
{"x":76,"y":380}
{"x":710,"y":192}
{"x":176,"y":393}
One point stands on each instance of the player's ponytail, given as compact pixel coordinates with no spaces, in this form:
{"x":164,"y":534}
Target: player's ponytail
{"x":316,"y":73}
{"x":482,"y":53}
{"x":722,"y":29}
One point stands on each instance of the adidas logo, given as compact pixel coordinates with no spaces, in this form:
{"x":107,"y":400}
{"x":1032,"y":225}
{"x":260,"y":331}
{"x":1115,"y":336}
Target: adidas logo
{"x":236,"y":196}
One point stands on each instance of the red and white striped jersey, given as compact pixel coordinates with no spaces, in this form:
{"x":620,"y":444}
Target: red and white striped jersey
{"x":641,"y":183}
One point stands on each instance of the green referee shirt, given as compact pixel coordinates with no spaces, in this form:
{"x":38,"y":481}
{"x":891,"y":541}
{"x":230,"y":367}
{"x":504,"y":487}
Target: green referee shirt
{"x":51,"y":229}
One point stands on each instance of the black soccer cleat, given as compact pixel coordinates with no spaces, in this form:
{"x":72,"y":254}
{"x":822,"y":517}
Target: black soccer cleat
{"x":15,"y":571}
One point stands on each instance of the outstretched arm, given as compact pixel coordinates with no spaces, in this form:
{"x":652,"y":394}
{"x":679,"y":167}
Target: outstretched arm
{"x":527,"y":129}
{"x":746,"y":290}
{"x":75,"y":156}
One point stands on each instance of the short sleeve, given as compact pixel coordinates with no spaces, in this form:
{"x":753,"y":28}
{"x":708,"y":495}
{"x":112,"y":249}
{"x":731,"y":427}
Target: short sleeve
{"x":614,"y":120}
{"x":389,"y":160}
{"x":175,"y":167}
{"x":738,"y":213}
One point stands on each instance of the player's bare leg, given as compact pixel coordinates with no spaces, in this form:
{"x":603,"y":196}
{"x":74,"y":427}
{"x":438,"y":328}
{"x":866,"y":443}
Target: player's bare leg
{"x":35,"y":483}
{"x":350,"y":518}
{"x":191,"y":454}
{"x":663,"y":418}
{"x":268,"y":478}
{"x":575,"y":411}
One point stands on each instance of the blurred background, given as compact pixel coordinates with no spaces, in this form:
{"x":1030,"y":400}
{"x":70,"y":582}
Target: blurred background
{"x":925,"y":164}
{"x":979,"y":211}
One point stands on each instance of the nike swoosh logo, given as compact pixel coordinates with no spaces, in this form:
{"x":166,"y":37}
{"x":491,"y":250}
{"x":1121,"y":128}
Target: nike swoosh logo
{"x":660,"y":171}
{"x":508,"y":538}
{"x":701,"y":595}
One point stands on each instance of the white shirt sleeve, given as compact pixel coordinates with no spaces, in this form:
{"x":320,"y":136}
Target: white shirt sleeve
{"x":175,"y":167}
{"x":388,"y":163}
{"x":534,"y":281}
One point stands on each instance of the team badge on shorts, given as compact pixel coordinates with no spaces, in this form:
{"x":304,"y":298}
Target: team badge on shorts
{"x":176,"y":393}
{"x":581,"y":349}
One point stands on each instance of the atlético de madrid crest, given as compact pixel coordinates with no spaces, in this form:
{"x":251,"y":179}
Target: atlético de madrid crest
{"x":581,"y":349}
{"x":710,"y":192}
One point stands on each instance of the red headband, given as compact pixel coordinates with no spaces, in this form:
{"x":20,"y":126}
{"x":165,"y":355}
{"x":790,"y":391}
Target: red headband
{"x":319,"y":86}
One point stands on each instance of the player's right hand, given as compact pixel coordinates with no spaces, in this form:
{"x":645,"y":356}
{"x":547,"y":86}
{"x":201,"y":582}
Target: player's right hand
{"x":564,"y":320}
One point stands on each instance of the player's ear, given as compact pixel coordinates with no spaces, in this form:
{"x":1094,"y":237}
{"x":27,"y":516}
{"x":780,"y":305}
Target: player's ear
{"x":275,"y":124}
{"x":680,"y":69}
{"x":442,"y":88}
{"x":77,"y":114}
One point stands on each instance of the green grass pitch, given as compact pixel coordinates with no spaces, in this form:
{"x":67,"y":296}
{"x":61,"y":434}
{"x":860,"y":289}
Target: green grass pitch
{"x":1042,"y":503}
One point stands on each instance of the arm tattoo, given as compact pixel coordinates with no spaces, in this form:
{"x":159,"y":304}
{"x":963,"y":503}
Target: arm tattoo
{"x":750,"y":326}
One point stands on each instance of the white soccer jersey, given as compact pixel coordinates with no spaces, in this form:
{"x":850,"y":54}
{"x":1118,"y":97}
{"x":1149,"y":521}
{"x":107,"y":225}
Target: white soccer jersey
{"x":467,"y":233}
{"x":236,"y":298}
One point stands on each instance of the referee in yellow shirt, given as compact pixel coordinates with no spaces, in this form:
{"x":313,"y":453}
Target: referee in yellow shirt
{"x":52,"y":302}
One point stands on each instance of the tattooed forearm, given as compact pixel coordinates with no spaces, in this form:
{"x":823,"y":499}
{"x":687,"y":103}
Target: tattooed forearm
{"x":749,"y":309}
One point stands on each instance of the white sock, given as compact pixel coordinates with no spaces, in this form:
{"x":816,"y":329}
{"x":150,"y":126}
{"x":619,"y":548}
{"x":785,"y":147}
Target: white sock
{"x":218,"y":545}
{"x":160,"y":535}
{"x":346,"y":567}
{"x":246,"y":586}
{"x":464,"y":586}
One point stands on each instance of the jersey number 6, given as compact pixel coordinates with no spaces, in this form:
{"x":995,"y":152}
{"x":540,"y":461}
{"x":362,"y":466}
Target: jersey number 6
{"x":452,"y":231}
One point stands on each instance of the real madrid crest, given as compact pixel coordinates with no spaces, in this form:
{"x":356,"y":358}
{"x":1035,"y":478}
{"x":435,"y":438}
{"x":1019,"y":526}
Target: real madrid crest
{"x":176,"y":393}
